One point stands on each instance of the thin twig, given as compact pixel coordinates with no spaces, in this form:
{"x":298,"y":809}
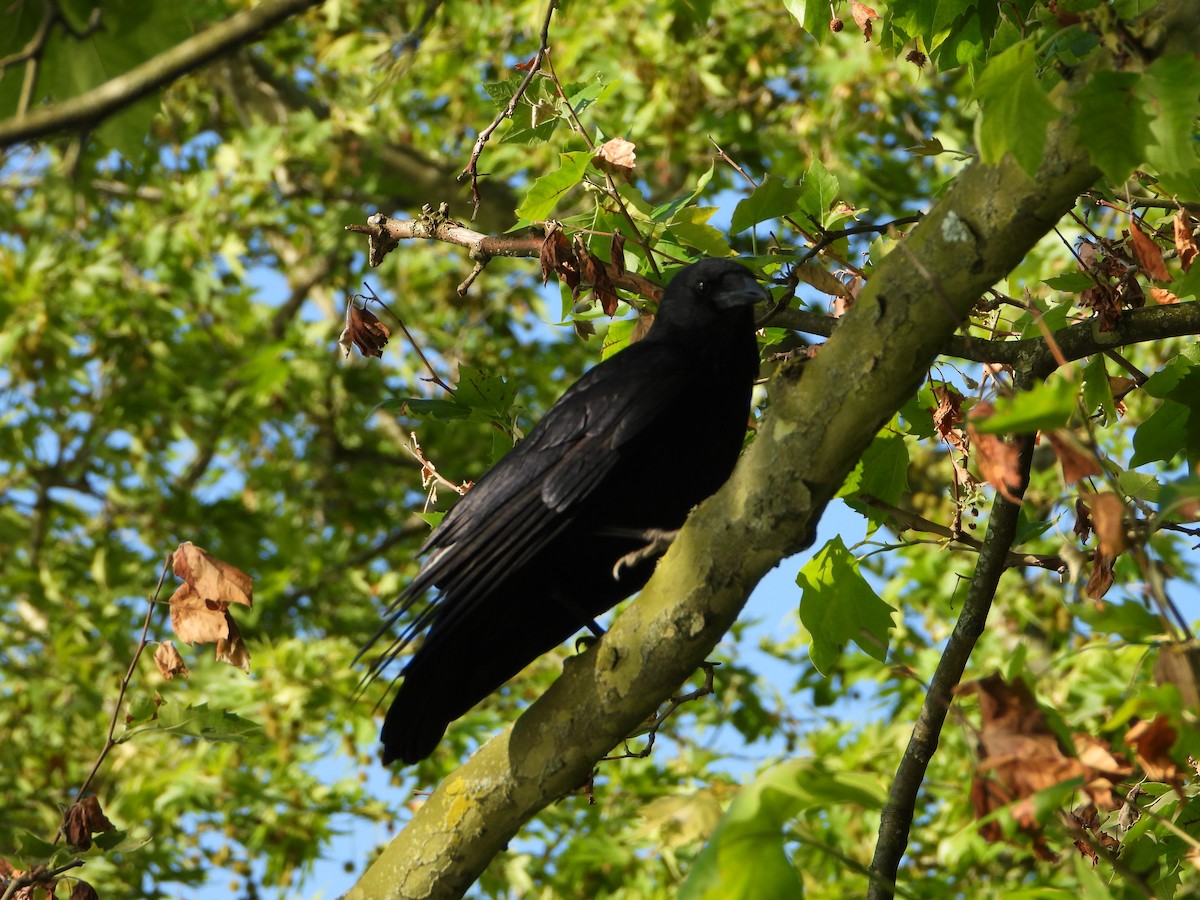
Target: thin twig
{"x":662,"y":715}
{"x":31,"y":878}
{"x":110,"y":741}
{"x":897,"y":816}
{"x":471,"y":170}
{"x":433,"y":375}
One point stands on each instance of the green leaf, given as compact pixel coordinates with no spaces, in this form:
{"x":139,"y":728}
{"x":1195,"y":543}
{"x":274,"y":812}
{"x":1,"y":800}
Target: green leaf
{"x":480,"y":390}
{"x":617,"y":337}
{"x":690,"y":228}
{"x":438,"y":410}
{"x":818,"y":191}
{"x":813,"y":16}
{"x":1049,"y":404}
{"x":746,"y":858}
{"x":1016,"y":110}
{"x":1113,"y":122}
{"x":773,"y":198}
{"x":1162,"y":436}
{"x":543,"y":195}
{"x":882,"y":472}
{"x":1070,"y":282}
{"x":432,"y":519}
{"x":501,"y":92}
{"x":199,"y":721}
{"x":1129,"y":620}
{"x":1139,"y":486}
{"x":1183,"y":492}
{"x":837,"y":605}
{"x":1169,"y":93}
{"x":32,"y":847}
{"x":1097,"y":392}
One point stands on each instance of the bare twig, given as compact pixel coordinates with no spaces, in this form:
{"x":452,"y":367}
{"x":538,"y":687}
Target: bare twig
{"x":110,"y":741}
{"x":471,"y":170}
{"x":433,"y":375}
{"x":36,"y":877}
{"x":910,"y":520}
{"x":661,"y":716}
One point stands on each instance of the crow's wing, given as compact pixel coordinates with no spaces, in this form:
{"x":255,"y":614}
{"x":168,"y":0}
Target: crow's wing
{"x":538,"y":489}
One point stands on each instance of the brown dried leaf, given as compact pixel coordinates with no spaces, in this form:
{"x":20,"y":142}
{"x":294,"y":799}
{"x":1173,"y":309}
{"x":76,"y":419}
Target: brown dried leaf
{"x":212,"y":578}
{"x":1108,"y":518}
{"x":1083,"y":520}
{"x":616,"y":157}
{"x":1101,"y":578}
{"x":232,"y":650}
{"x":1163,"y":297}
{"x":1104,"y":301}
{"x":1120,"y":386}
{"x":998,"y":460}
{"x":1147,"y":254}
{"x":196,"y":620}
{"x":83,"y":819}
{"x":1078,"y":462}
{"x":555,"y":252}
{"x":168,"y":661}
{"x":948,"y":416}
{"x":1185,"y":242}
{"x":616,"y":252}
{"x":863,"y":15}
{"x":83,"y":891}
{"x":823,"y":281}
{"x":364,"y":331}
{"x":1152,"y":741}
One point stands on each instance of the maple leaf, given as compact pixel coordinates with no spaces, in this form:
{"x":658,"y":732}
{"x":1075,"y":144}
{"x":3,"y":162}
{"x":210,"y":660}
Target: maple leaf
{"x":616,"y":157}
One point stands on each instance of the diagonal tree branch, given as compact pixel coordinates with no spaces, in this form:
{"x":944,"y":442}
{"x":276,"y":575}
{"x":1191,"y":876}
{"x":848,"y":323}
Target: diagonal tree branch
{"x":117,"y":93}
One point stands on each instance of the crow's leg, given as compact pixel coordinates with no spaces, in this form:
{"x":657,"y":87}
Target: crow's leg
{"x":658,"y":540}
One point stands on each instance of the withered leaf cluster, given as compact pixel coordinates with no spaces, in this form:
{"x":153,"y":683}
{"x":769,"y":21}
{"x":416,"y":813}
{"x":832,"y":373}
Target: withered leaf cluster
{"x":1115,"y":266}
{"x":577,"y":266}
{"x":200,"y":608}
{"x":1020,"y":754}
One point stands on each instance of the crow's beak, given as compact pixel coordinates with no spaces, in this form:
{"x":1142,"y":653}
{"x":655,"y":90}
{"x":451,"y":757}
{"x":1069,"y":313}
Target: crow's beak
{"x":745,"y":291}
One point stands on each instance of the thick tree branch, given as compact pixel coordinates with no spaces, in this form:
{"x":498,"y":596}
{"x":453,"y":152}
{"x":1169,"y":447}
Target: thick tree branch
{"x":1075,"y":341}
{"x":117,"y":93}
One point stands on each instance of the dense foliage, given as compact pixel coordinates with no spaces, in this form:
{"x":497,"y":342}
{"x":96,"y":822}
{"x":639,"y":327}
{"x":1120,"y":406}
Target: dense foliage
{"x":174,"y":276}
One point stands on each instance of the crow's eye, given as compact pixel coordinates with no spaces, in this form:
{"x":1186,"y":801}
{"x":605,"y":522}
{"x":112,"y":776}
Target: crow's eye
{"x":702,"y":287}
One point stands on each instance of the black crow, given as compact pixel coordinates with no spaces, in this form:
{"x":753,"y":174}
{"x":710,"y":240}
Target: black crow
{"x":526,"y":558}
